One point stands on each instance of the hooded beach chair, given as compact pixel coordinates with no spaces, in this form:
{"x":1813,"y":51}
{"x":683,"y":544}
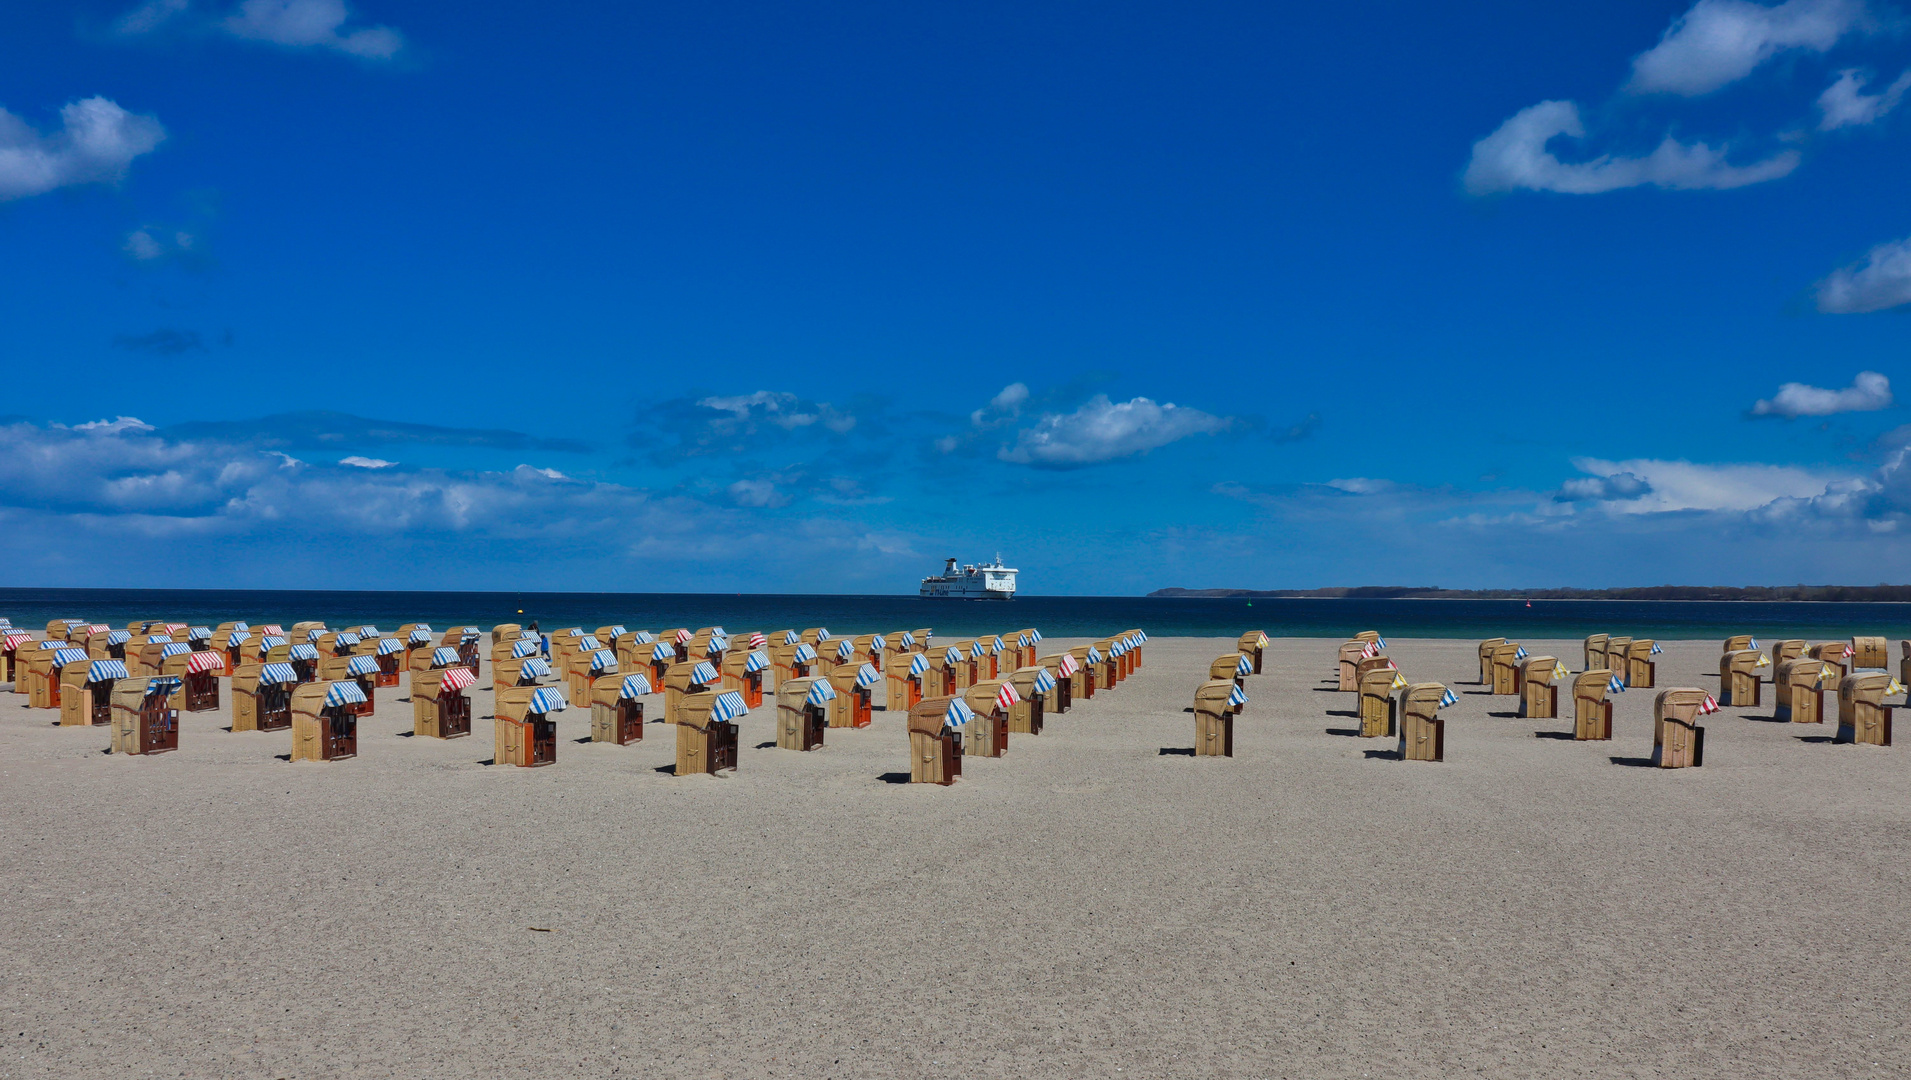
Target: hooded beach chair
{"x":684,"y":678}
{"x":144,"y":721}
{"x":1863,"y":717}
{"x":1347,"y":665}
{"x":1798,"y":690}
{"x":306,"y":631}
{"x":959,"y":662}
{"x":677,"y":638}
{"x":791,"y":660}
{"x":1789,"y":649}
{"x":935,"y":739}
{"x":1252,"y":645}
{"x":609,"y":635}
{"x":86,"y":691}
{"x":1236,"y":667}
{"x":1642,"y":672}
{"x":523,"y":733}
{"x":1837,"y":658}
{"x":870,"y":649}
{"x":1370,"y":664}
{"x":802,"y":712}
{"x":988,"y":734}
{"x":1087,"y":677}
{"x":1592,"y":703}
{"x":1678,"y":742}
{"x":1739,"y":643}
{"x":814,"y":636}
{"x":904,"y":673}
{"x":1616,"y":655}
{"x":1032,"y":686}
{"x":1069,"y":678}
{"x":1506,"y":667}
{"x":505,"y":632}
{"x":16,"y":648}
{"x":363,"y":670}
{"x":743,"y":672}
{"x":919,"y":638}
{"x":1739,"y":677}
{"x":198,"y":673}
{"x":1423,"y":732}
{"x":517,"y":663}
{"x":262,"y":697}
{"x":1539,"y":698}
{"x":440,"y":708}
{"x":617,"y":711}
{"x":1215,"y":702}
{"x":1868,"y":654}
{"x":1379,"y":715}
{"x":44,"y":669}
{"x":707,"y":731}
{"x":1595,"y":651}
{"x":1486,"y":659}
{"x":855,"y":685}
{"x":1136,"y":639}
{"x":584,"y":669}
{"x":324,"y":723}
{"x":1108,"y":669}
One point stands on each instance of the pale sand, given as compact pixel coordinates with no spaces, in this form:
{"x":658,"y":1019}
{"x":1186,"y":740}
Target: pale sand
{"x":1085,"y":906}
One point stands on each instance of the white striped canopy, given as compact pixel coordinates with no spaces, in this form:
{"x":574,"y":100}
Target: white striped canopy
{"x":158,"y":639}
{"x":977,"y":652}
{"x":953,"y":655}
{"x":271,"y":629}
{"x":757,"y":662}
{"x":347,"y":640}
{"x":205,"y":660}
{"x":1036,"y":634}
{"x":571,"y":631}
{"x":530,"y":634}
{"x":845,"y":650}
{"x":303,"y":652}
{"x":367,"y":630}
{"x":822,"y":634}
{"x":867,"y":675}
{"x":616,"y":632}
{"x":121,"y":637}
{"x":791,"y":637}
{"x":1237,"y":697}
{"x":587,"y":643}
{"x":444,"y":656}
{"x":419,"y":635}
{"x":1094,"y":655}
{"x":174,"y":649}
{"x":1143,"y":635}
{"x":272,"y":674}
{"x":719,"y":644}
{"x":907,"y":639}
{"x":918,"y":664}
{"x":362,"y":665}
{"x":233,"y":640}
{"x":63,"y":657}
{"x":1044,"y":682}
{"x":1023,"y":640}
{"x":344,"y":692}
{"x":315,"y":633}
{"x":197,"y":633}
{"x":704,"y":673}
{"x":804,"y":654}
{"x":547,"y":699}
{"x":56,"y":643}
{"x":1000,"y":644}
{"x":642,"y":637}
{"x":635,"y":686}
{"x":729,"y":708}
{"x":683,"y":636}
{"x":455,"y":679}
{"x":1118,"y":647}
{"x":243,"y":628}
{"x":387,"y":646}
{"x":14,"y":641}
{"x":162,"y":684}
{"x":1244,"y":666}
{"x":524,"y":648}
{"x":74,"y":622}
{"x":877,"y":641}
{"x":534,"y":668}
{"x":102,"y":670}
{"x":820,"y":692}
{"x":958,"y":713}
{"x":663,"y":650}
{"x":268,"y":643}
{"x":603,"y":659}
{"x":758,"y":641}
{"x":174,"y":628}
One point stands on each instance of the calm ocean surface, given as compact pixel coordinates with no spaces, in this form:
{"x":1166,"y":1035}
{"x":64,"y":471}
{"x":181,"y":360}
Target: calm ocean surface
{"x":1058,"y":616}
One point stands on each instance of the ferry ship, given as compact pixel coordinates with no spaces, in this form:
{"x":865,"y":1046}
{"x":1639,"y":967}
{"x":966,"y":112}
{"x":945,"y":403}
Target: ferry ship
{"x":971,"y":582}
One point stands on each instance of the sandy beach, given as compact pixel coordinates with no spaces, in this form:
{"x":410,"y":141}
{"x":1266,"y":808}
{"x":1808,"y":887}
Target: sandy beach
{"x":1096,"y":903}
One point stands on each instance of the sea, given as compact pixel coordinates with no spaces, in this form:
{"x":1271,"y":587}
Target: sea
{"x":1054,"y":616}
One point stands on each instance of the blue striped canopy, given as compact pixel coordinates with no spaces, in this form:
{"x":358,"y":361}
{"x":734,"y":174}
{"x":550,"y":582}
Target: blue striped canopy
{"x":532,"y":635}
{"x":757,"y":662}
{"x":421,"y":628}
{"x":953,"y":655}
{"x":918,"y":664}
{"x":547,"y":699}
{"x":269,"y":642}
{"x":346,"y":640}
{"x":791,"y":637}
{"x":867,"y":675}
{"x":616,"y":632}
{"x":718,"y":644}
{"x":1036,"y":634}
{"x":387,"y":646}
{"x":524,"y":648}
{"x":877,"y":641}
{"x":63,"y":657}
{"x":362,"y":665}
{"x":471,"y":633}
{"x":958,"y":713}
{"x":977,"y":652}
{"x":243,"y":628}
{"x":1023,"y":640}
{"x":642,"y":637}
{"x":1244,"y":666}
{"x":53,"y":643}
{"x":278,"y":673}
{"x":1656,"y":650}
{"x":1044,"y":682}
{"x":74,"y":622}
{"x":1094,"y":655}
{"x":729,"y":708}
{"x":635,"y":686}
{"x":303,"y":652}
{"x":102,"y":670}
{"x":704,"y":673}
{"x":845,"y":650}
{"x":534,"y":668}
{"x":121,"y":637}
{"x":1000,"y":644}
{"x":162,"y":684}
{"x":908,"y":639}
{"x":368,"y":631}
{"x":344,"y":692}
{"x":587,"y":643}
{"x":173,"y":649}
{"x":1449,"y":698}
{"x":820,"y":692}
{"x":822,"y":634}
{"x":571,"y":631}
{"x":1615,"y":685}
{"x":1237,"y":697}
{"x":804,"y":654}
{"x":603,"y":659}
{"x":420,"y":636}
{"x":444,"y":656}
{"x":663,"y":650}
{"x":316,"y":633}
{"x":1118,"y":647}
{"x":233,"y":640}
{"x":1519,"y":652}
{"x":718,"y":631}
{"x":199,"y":633}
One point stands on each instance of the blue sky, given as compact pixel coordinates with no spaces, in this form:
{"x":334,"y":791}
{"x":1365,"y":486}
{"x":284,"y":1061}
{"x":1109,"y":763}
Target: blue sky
{"x":732,"y":297}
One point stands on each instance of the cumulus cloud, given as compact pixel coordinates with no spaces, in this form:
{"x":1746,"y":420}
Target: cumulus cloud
{"x":297,"y":24}
{"x":1882,"y":279}
{"x":96,"y":142}
{"x":1516,"y":156}
{"x":1719,"y":42}
{"x":725,"y":424}
{"x":1868,"y":392}
{"x":1101,"y":431}
{"x":1845,"y":104}
{"x":786,"y":411}
{"x":1664,"y":486}
{"x":1619,"y":485}
{"x":366,"y":462}
{"x":1003,"y":407}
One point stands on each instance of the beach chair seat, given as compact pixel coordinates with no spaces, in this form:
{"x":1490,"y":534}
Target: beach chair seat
{"x":1595,"y":651}
{"x":440,"y":708}
{"x":1506,"y":667}
{"x":1032,"y":687}
{"x":1539,"y":697}
{"x":855,"y":685}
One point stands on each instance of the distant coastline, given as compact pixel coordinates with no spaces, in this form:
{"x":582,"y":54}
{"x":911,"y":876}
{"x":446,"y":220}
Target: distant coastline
{"x":1857,"y":594}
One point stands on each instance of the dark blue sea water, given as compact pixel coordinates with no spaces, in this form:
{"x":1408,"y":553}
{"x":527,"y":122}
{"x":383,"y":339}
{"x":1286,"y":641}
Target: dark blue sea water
{"x":1057,"y":616}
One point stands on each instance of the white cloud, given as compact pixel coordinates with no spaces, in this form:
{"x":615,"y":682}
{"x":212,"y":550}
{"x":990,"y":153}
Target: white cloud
{"x":312,"y":24}
{"x":150,"y":244}
{"x":757,"y":493}
{"x":97,"y":140}
{"x":1516,"y":157}
{"x":1003,"y":407}
{"x":366,"y":462}
{"x":1102,"y":431}
{"x":786,"y":411}
{"x":1881,"y":280}
{"x":1845,"y":104}
{"x":1685,"y":485}
{"x":1619,"y":485}
{"x":1719,"y":42}
{"x":1868,"y":392}
{"x":150,"y":16}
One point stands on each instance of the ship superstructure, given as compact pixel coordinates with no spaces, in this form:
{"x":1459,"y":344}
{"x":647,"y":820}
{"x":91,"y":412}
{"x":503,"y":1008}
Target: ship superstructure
{"x":971,"y":582}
